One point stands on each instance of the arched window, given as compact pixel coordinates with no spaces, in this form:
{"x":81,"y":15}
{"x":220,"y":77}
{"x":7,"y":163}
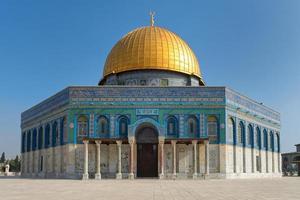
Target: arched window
{"x":265,"y":139}
{"x":34,"y":137}
{"x":241,"y":132}
{"x":63,"y":131}
{"x":192,"y":126}
{"x":257,"y":137}
{"x":172,"y":126}
{"x":230,"y":129}
{"x":23,"y":142}
{"x":272,"y":141}
{"x":123,"y":126}
{"x":250,"y":135}
{"x":102,"y":126}
{"x":82,"y":124}
{"x":54,"y":134}
{"x":212,"y":128}
{"x":28,"y":141}
{"x":47,"y":136}
{"x":41,"y":138}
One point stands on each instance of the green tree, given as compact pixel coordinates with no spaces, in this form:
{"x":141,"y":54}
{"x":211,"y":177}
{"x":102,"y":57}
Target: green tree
{"x":15,"y":164}
{"x":2,"y":159}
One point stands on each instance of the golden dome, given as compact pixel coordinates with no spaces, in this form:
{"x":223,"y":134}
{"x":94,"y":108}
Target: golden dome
{"x":151,"y":47}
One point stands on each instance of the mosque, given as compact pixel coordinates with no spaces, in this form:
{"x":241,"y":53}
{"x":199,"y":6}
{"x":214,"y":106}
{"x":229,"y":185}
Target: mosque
{"x":151,"y":115}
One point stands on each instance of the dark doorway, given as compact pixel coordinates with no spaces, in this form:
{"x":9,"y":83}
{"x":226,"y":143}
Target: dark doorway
{"x":147,"y":153}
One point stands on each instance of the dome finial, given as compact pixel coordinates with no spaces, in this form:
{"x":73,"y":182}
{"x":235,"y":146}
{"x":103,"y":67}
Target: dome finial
{"x":152,"y":18}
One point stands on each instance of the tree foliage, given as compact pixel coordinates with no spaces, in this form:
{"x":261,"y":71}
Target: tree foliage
{"x":2,"y":158}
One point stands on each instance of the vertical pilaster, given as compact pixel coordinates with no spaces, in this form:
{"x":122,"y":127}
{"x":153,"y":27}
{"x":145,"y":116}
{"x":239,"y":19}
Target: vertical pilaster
{"x":267,"y":152}
{"x":50,"y":160}
{"x":195,"y":175}
{"x":181,"y":125}
{"x":235,"y":141}
{"x":98,"y":160}
{"x":57,"y":151}
{"x":25,"y":163}
{"x":85,"y":175}
{"x":91,"y":124}
{"x":273,"y":161}
{"x":37,"y":152}
{"x":206,"y":143}
{"x":162,"y":158}
{"x":119,"y":174}
{"x":132,"y":144}
{"x":45,"y":166}
{"x":245,"y":142}
{"x":112,"y":125}
{"x":279,"y":162}
{"x":174,"y":158}
{"x":32,"y":154}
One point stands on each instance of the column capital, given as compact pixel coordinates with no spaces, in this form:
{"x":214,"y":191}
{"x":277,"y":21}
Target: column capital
{"x":85,"y":141}
{"x":119,"y":142}
{"x":194,"y":142}
{"x":98,"y":142}
{"x":206,"y":142}
{"x":131,"y":140}
{"x":161,"y":139}
{"x":173,"y":142}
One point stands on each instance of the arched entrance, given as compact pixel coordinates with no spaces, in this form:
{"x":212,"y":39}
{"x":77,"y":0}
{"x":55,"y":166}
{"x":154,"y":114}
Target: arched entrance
{"x":147,"y":151}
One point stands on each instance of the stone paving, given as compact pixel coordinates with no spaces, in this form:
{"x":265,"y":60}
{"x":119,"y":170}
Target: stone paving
{"x":260,"y":189}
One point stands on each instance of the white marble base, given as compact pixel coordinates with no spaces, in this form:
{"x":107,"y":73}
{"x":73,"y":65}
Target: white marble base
{"x":119,"y":176}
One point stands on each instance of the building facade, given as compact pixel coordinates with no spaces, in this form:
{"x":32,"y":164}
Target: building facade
{"x":150,"y":116}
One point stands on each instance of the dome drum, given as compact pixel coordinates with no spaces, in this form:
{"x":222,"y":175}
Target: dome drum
{"x":151,"y":78}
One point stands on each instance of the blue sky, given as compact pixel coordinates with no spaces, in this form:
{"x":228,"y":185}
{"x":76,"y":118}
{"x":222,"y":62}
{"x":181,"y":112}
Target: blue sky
{"x":252,"y":46}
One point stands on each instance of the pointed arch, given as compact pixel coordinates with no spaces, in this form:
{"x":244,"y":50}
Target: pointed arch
{"x":250,"y":135}
{"x":41,"y":138}
{"x":258,"y":137}
{"x":102,"y":127}
{"x":241,"y":133}
{"x":192,"y":126}
{"x":213,"y":128}
{"x":47,"y":136}
{"x":123,"y":126}
{"x":231,"y":129}
{"x":54,"y":133}
{"x":82,"y":126}
{"x":172,"y":126}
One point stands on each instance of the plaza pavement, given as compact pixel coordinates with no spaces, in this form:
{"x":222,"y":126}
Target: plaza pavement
{"x":144,"y":189}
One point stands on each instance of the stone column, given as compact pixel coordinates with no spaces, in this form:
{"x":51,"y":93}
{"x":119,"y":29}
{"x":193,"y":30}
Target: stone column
{"x":206,"y":142}
{"x":234,"y":146}
{"x":98,"y":160}
{"x":50,"y":152}
{"x":85,"y":175}
{"x":260,"y":160}
{"x":174,"y":158}
{"x":253,"y":159}
{"x":162,"y":159}
{"x":32,"y":153}
{"x":279,"y":162}
{"x":195,"y":175}
{"x":131,"y":143}
{"x":267,"y":160}
{"x":119,"y":174}
{"x":273,"y":162}
{"x":45,"y":166}
{"x":57,"y":152}
{"x":37,"y":153}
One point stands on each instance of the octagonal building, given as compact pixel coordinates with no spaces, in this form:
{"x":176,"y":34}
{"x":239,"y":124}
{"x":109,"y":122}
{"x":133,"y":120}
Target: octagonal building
{"x":151,"y":115}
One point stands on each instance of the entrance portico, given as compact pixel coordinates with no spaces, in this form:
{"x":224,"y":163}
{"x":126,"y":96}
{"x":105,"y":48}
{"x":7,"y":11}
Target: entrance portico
{"x":150,"y":159}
